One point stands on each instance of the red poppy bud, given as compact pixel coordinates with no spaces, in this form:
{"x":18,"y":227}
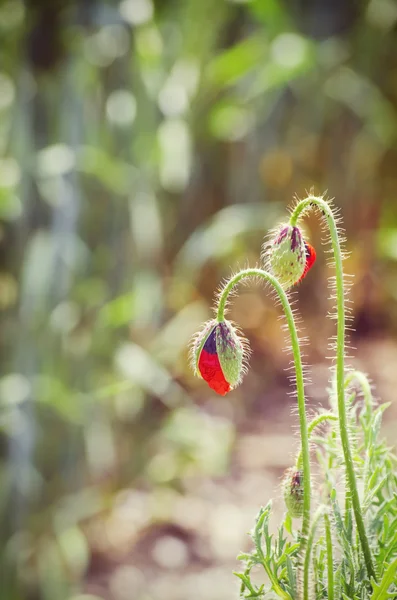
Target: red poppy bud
{"x":218,"y":356}
{"x":290,"y":257}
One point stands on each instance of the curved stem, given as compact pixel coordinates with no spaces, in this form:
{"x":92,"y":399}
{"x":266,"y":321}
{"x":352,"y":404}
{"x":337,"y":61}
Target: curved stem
{"x":312,"y":426}
{"x":365,"y":387}
{"x":340,"y":366}
{"x":299,"y":375}
{"x":362,"y":379}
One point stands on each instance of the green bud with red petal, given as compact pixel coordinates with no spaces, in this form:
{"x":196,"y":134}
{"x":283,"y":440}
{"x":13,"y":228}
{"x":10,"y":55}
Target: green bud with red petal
{"x":293,"y":491}
{"x":218,"y":355}
{"x":287,"y":255}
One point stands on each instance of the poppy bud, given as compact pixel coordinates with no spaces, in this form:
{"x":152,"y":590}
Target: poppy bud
{"x":293,"y":491}
{"x":218,"y":356}
{"x":287,"y":255}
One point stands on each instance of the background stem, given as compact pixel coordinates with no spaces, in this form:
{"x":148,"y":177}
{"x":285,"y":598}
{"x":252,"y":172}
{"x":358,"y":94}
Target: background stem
{"x":340,"y":366}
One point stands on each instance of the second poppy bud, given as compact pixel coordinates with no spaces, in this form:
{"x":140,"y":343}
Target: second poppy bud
{"x":293,"y":491}
{"x":290,"y":257}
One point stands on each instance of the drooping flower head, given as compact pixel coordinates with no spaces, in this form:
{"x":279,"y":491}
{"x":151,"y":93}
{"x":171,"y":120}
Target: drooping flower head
{"x":218,"y":355}
{"x":290,"y":257}
{"x":293,"y":491}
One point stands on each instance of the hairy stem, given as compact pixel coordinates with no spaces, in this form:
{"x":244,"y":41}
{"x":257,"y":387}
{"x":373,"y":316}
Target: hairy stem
{"x":362,"y":379}
{"x":330,"y":558}
{"x":310,"y":540}
{"x":299,"y":375}
{"x":312,"y":426}
{"x":340,"y":366}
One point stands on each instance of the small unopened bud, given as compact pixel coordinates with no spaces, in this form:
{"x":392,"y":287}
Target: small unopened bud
{"x":287,"y":255}
{"x":218,"y":355}
{"x":293,"y":491}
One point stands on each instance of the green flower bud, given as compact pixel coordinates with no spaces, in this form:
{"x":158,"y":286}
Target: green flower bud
{"x":287,"y":255}
{"x":293,"y":491}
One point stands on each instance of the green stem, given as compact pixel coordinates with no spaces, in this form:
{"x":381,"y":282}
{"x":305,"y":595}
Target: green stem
{"x":340,"y":366}
{"x":362,"y":379}
{"x":306,"y":567}
{"x":330,"y":559}
{"x":299,"y":375}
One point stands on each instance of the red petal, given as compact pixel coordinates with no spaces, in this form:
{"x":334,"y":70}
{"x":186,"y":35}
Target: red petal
{"x":310,"y":260}
{"x":211,"y":371}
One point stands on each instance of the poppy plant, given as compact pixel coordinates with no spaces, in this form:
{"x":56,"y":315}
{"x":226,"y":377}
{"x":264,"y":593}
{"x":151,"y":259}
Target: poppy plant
{"x":218,"y":354}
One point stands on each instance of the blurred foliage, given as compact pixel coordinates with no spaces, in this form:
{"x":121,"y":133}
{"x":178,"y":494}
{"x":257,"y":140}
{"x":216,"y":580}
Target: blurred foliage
{"x":145,"y":146}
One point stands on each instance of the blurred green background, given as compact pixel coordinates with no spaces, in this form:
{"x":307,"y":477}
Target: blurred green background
{"x":146,"y":147}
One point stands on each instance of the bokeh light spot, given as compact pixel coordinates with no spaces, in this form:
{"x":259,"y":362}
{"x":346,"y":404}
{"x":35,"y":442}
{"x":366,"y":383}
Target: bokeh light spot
{"x":175,"y":144}
{"x":169,"y":552}
{"x":121,"y":108}
{"x":109,"y":43}
{"x":136,"y":12}
{"x":289,"y":50}
{"x":55,"y":160}
{"x":9,"y":173}
{"x":7,"y":91}
{"x":276,"y":169}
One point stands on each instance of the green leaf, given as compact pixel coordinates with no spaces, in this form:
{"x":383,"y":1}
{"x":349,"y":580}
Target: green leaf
{"x":341,"y":531}
{"x":291,"y":56}
{"x":244,"y":556}
{"x":337,"y":581}
{"x":291,"y":576}
{"x":292,"y":549}
{"x":234,"y":63}
{"x":391,"y":547}
{"x":380,"y":591}
{"x":272,"y":13}
{"x":371,"y":495}
{"x":117,"y":312}
{"x":376,"y":424}
{"x":288,"y":523}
